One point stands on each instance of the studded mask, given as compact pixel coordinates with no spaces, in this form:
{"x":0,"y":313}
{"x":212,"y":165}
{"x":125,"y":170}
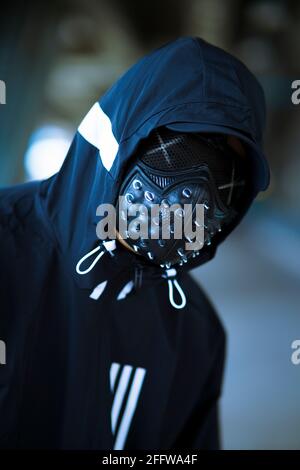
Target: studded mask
{"x":179,"y":171}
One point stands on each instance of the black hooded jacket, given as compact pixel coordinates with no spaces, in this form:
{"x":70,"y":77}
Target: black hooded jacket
{"x":96,"y":361}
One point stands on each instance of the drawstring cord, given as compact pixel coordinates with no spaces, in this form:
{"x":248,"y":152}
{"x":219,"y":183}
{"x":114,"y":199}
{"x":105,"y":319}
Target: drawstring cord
{"x":171,"y":298}
{"x":87,"y":256}
{"x":108,"y":246}
{"x":169,"y":275}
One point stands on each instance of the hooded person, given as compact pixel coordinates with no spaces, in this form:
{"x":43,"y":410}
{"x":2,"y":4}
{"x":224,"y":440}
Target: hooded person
{"x":110,"y":344}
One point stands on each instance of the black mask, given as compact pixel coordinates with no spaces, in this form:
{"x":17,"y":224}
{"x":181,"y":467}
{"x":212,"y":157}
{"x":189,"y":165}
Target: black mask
{"x":181,"y":168}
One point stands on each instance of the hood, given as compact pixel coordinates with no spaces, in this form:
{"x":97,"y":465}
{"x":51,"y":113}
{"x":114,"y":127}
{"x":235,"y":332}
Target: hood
{"x":187,"y":85}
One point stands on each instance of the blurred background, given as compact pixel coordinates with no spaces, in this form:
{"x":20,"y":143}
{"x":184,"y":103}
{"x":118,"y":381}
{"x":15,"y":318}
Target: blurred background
{"x":58,"y":57}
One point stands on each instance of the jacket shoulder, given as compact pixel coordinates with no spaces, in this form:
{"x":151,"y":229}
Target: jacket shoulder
{"x":17,"y":196}
{"x":21,"y":215}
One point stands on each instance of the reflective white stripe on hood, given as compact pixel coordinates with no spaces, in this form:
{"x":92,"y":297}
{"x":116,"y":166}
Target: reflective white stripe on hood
{"x":97,"y":130}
